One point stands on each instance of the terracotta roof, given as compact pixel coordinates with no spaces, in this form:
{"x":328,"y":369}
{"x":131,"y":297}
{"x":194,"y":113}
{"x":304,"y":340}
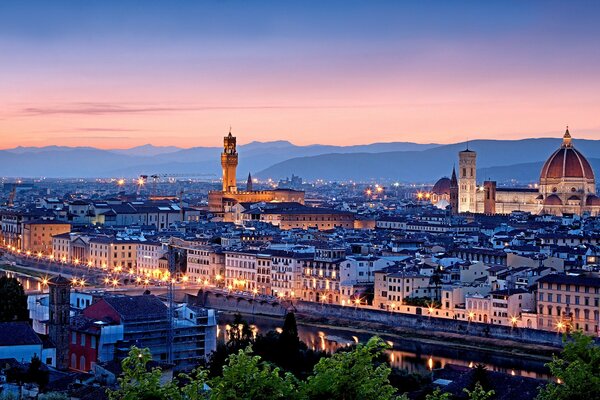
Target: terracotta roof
{"x":592,"y":201}
{"x":567,"y":162}
{"x":553,"y":200}
{"x":442,"y":186}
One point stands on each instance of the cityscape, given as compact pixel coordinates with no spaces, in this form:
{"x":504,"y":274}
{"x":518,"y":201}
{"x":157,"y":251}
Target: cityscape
{"x":324,"y":231}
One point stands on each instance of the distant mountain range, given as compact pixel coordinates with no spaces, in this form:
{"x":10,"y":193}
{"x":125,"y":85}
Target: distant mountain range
{"x":87,"y":162}
{"x":500,"y":160}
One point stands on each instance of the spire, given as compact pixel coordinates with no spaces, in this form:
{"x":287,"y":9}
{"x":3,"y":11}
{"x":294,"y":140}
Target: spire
{"x":567,"y":138}
{"x":249,"y":183}
{"x":453,"y":180}
{"x":230,"y":131}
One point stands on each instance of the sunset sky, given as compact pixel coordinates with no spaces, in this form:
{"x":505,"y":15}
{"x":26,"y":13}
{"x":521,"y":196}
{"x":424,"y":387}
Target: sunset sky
{"x":117,"y":74}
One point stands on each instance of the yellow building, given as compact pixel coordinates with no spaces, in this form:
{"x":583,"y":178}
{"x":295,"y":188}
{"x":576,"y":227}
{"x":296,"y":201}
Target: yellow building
{"x":568,"y":303}
{"x":37,"y":234}
{"x":113,"y":253}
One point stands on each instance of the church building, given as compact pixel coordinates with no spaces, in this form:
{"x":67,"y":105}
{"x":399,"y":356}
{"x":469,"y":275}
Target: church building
{"x":567,"y":185}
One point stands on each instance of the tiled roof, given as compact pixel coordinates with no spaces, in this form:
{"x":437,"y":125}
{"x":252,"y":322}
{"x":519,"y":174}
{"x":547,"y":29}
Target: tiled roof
{"x":17,"y":334}
{"x":137,"y":307}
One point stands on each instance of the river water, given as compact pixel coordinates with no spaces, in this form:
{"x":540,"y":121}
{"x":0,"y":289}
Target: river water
{"x":409,"y":354}
{"x":30,"y":283}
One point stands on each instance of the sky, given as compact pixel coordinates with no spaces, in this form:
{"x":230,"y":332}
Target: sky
{"x":122,"y":73}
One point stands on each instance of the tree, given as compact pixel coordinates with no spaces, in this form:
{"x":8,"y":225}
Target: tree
{"x":290,"y":341}
{"x":577,"y":367}
{"x":438,"y":395}
{"x":139,"y":383}
{"x":13,"y":301}
{"x":352,"y":375}
{"x":480,"y":375}
{"x":246,"y":377}
{"x":36,"y":373}
{"x":479,"y":393}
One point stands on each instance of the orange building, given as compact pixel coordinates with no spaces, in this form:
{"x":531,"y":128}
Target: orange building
{"x":37,"y":234}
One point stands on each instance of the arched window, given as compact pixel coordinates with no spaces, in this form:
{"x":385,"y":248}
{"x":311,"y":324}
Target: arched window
{"x":82,"y":363}
{"x":74,"y":361}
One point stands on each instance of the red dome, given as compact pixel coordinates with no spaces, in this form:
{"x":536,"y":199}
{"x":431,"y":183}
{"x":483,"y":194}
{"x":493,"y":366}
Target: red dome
{"x":592,"y":201}
{"x":567,"y":162}
{"x":442,"y":186}
{"x":553,"y":200}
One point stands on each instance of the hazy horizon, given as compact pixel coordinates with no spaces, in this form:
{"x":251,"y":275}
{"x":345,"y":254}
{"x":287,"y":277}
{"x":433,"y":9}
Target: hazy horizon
{"x":242,"y":143}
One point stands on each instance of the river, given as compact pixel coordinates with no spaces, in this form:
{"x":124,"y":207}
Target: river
{"x":409,"y":354}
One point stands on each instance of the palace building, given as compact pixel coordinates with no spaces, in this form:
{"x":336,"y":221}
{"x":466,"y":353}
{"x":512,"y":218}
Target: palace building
{"x":567,"y":185}
{"x":221,"y":201}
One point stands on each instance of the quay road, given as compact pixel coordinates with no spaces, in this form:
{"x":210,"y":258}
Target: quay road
{"x":87,"y":278}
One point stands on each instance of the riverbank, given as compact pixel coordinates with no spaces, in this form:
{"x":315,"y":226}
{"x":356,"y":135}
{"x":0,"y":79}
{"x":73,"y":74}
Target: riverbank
{"x":31,"y":272}
{"x":537,"y":352}
{"x":412,"y":338}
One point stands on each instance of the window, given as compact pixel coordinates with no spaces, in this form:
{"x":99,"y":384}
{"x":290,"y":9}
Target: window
{"x":83,"y":339}
{"x":74,"y":339}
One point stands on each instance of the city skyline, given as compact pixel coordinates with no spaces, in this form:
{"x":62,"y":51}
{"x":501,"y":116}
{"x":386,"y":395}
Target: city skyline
{"x":127,"y":74}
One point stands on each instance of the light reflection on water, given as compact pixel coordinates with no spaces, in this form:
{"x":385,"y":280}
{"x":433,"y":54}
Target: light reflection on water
{"x":410,"y":355}
{"x":28,"y":282}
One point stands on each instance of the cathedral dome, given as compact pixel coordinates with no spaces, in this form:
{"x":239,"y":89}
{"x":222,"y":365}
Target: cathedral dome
{"x":566,"y":162}
{"x":553,"y":200}
{"x":442,"y":186}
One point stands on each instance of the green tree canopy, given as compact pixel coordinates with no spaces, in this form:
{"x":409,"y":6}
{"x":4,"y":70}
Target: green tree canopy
{"x":578,"y":368}
{"x":139,"y":383}
{"x":352,"y":375}
{"x":246,"y":377}
{"x":13,"y":301}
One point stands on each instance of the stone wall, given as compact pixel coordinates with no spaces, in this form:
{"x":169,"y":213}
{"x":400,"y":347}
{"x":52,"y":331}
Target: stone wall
{"x":235,"y":303}
{"x":423,"y":324}
{"x":417,"y":323}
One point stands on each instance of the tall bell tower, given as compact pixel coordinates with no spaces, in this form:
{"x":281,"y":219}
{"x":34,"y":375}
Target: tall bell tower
{"x":59,"y":321}
{"x":467,"y":181}
{"x":229,"y":162}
